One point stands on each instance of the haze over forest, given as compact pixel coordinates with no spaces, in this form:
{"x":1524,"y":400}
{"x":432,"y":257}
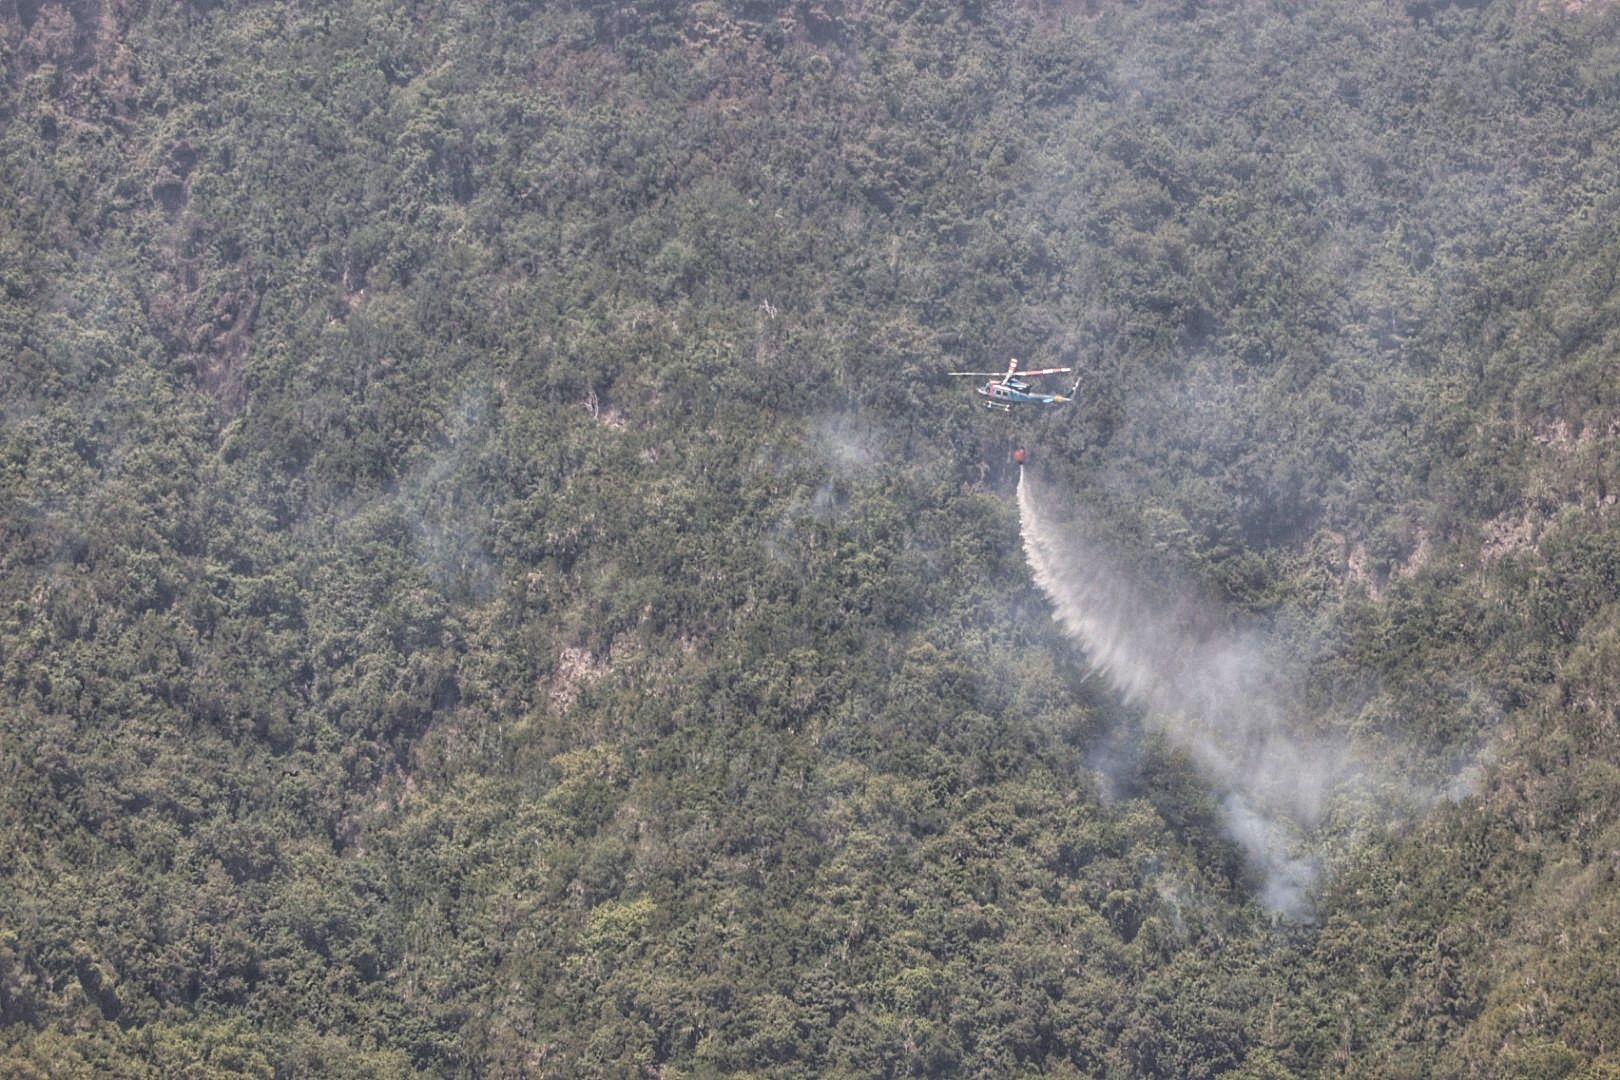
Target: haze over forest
{"x":496,"y":581}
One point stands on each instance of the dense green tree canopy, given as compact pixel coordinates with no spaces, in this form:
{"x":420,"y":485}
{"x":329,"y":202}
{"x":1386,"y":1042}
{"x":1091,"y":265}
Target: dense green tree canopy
{"x":494,"y":581}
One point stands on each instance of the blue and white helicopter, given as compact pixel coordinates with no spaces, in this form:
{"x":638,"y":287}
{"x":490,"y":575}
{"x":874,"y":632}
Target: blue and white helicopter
{"x":1004,"y":390}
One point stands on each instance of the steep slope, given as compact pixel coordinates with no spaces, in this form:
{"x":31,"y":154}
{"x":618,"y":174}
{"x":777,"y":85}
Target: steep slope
{"x":492,"y":585}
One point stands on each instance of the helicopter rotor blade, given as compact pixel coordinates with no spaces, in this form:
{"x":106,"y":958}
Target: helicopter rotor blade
{"x":1005,"y":375}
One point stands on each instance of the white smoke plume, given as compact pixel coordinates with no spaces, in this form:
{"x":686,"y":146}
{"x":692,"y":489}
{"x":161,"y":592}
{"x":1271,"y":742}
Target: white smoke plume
{"x":1213,"y":691}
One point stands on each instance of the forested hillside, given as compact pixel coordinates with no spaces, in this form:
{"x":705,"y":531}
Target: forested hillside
{"x":494,"y":580}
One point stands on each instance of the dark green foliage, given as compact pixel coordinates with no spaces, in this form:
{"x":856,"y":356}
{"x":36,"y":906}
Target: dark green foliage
{"x":491,"y":584}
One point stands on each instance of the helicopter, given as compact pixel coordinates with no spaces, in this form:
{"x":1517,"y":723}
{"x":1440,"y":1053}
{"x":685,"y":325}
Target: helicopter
{"x":1003,"y":391}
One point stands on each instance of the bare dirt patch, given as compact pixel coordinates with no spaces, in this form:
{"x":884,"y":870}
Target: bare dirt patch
{"x":576,"y":669}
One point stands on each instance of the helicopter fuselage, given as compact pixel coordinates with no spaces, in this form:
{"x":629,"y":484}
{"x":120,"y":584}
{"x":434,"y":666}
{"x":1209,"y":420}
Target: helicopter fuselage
{"x":1004,"y":395}
{"x":1003,"y":391}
